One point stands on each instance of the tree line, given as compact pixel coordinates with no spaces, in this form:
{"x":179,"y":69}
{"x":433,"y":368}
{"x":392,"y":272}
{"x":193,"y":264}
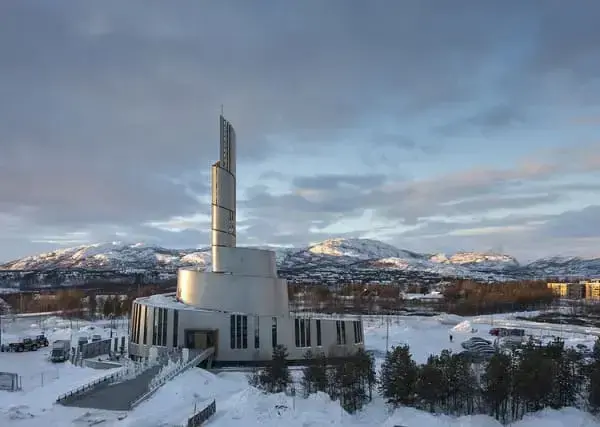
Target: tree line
{"x":76,"y":303}
{"x":506,"y":387}
{"x":350,"y":380}
{"x":462,"y":297}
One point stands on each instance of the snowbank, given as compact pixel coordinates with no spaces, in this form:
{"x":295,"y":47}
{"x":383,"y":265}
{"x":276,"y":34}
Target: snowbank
{"x":449,"y":319}
{"x":464,"y":326}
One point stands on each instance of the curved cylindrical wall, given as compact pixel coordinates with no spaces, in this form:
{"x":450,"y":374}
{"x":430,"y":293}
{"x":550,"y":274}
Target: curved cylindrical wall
{"x":244,"y":261}
{"x":233,"y":293}
{"x":223,"y":207}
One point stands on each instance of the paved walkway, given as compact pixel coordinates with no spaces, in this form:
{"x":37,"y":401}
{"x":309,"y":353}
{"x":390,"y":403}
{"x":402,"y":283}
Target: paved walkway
{"x":116,"y":397}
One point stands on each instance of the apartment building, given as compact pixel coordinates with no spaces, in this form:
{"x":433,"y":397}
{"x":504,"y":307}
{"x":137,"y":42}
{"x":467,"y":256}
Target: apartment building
{"x":568,"y":290}
{"x":592,"y":289}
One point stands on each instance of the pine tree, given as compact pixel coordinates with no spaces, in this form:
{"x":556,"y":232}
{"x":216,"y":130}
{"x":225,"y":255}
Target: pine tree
{"x":92,"y":305}
{"x":431,"y":384}
{"x":107,"y":307}
{"x":315,"y":375}
{"x":365,"y":367}
{"x":398,"y":376}
{"x":497,"y":386}
{"x":275,"y":377}
{"x":593,"y":384}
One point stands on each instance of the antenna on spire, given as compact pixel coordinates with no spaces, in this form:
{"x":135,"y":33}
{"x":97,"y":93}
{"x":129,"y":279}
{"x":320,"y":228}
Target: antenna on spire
{"x":222,"y":110}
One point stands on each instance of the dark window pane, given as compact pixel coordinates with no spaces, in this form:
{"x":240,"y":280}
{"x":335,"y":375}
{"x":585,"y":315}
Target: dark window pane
{"x":318,"y":332}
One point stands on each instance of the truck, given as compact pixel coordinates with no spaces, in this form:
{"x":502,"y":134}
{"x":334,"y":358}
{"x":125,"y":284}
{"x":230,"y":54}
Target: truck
{"x":61,"y":351}
{"x":26,"y":344}
{"x":41,"y":340}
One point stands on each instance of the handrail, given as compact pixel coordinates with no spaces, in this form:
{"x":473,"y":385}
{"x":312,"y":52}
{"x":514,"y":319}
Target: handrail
{"x":107,"y":378}
{"x":192,"y":362}
{"x":87,"y":386}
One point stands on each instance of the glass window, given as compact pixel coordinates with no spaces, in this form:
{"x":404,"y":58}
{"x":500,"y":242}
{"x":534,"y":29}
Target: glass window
{"x":145,"y":317}
{"x":164,"y":326}
{"x":357,"y":331}
{"x":274,"y":332}
{"x":256,"y":332}
{"x":341,"y":332}
{"x":319,"y":332}
{"x":244,"y":331}
{"x":232,"y":330}
{"x":302,"y":332}
{"x":175,"y":328}
{"x":239,"y":331}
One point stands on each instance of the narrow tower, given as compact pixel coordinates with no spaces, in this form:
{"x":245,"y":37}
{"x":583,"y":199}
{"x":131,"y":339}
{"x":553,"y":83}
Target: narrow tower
{"x":223,"y":192}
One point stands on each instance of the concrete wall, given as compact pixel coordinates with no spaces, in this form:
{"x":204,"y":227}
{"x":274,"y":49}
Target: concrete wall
{"x":191,"y":319}
{"x":233,"y":293}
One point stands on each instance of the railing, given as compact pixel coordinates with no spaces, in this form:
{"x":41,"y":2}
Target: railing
{"x":84,"y":388}
{"x":199,"y":418}
{"x":153,"y":387}
{"x":107,"y":379}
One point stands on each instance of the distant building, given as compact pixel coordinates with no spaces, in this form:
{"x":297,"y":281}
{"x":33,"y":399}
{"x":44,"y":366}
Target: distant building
{"x":592,"y":289}
{"x":568,"y":290}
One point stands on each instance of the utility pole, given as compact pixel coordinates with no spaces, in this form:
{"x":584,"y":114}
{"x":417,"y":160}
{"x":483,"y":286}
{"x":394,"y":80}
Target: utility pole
{"x":387,"y":333}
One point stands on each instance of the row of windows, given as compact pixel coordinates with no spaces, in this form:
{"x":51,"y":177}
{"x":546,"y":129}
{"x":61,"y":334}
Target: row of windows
{"x":159,"y":331}
{"x":238,"y":327}
{"x":139,"y":329}
{"x":303,"y":332}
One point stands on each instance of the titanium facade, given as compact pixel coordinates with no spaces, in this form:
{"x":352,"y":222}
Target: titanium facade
{"x":223,"y":191}
{"x":240,"y":307}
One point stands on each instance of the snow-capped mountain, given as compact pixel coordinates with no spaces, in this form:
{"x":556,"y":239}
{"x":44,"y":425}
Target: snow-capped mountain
{"x":330,"y":260}
{"x":112,"y":256}
{"x":567,"y":266}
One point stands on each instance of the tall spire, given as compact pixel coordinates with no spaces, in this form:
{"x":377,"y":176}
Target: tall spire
{"x":224,"y":191}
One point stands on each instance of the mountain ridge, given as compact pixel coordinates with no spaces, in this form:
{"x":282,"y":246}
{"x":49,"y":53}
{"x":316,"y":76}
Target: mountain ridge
{"x":329,"y":257}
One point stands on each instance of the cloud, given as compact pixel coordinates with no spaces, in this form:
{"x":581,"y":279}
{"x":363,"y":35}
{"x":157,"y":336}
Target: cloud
{"x":108,"y":112}
{"x":478,"y":206}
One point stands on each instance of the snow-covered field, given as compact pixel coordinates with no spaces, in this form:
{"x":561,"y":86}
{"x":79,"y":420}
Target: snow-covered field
{"x":239,"y":404}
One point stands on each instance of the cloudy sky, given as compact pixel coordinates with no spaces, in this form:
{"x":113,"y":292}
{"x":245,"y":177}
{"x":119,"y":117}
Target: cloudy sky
{"x":431,"y":125}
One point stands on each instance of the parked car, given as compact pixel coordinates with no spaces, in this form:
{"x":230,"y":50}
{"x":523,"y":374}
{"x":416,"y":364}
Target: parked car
{"x":468,"y":344}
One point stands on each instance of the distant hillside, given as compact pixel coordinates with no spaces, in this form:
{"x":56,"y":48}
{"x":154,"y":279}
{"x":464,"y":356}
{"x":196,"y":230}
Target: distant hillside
{"x":330,"y":260}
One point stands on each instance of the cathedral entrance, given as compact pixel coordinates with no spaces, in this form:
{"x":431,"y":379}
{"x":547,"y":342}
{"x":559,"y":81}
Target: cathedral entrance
{"x":201,"y":339}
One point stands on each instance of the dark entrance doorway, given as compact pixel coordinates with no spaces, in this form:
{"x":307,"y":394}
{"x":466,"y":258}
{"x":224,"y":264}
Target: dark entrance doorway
{"x":201,"y":339}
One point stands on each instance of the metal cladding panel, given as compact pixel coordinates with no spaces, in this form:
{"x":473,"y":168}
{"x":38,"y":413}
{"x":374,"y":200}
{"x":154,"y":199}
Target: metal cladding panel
{"x":192,"y":319}
{"x":234,"y":293}
{"x":245,"y":261}
{"x":227,"y":145}
{"x":223,"y":187}
{"x":223,"y":207}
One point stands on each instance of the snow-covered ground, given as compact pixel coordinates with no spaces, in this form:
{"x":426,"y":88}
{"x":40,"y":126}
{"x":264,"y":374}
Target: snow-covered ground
{"x":239,"y":404}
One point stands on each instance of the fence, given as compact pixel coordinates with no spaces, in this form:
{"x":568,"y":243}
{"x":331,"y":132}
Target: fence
{"x":10,"y":381}
{"x":198,"y":418}
{"x":94,"y":349}
{"x":159,"y":380}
